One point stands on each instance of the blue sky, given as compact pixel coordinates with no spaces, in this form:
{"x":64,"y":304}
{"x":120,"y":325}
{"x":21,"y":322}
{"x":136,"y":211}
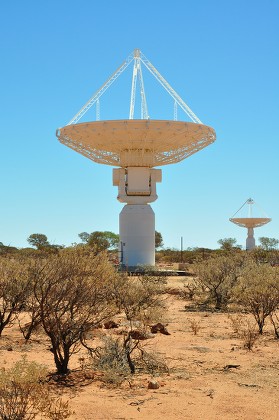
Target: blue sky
{"x":222,"y":57}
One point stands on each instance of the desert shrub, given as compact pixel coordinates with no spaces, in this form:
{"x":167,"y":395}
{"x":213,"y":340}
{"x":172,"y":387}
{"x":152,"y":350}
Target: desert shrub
{"x":150,"y":362}
{"x":262,"y":255}
{"x":258,"y":291}
{"x":249,"y":334}
{"x":13,"y":290}
{"x":110,"y":358}
{"x":274,"y":318}
{"x":190,"y":289}
{"x":217,"y":277}
{"x":23,"y":395}
{"x":236,"y":323}
{"x":72,"y":290}
{"x":33,"y":312}
{"x":141,"y":301}
{"x":244,"y":329}
{"x":195,"y":325}
{"x":140,"y":298}
{"x":31,"y":321}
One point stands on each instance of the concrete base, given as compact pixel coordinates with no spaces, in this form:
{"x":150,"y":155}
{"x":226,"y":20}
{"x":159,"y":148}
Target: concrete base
{"x":137,"y":235}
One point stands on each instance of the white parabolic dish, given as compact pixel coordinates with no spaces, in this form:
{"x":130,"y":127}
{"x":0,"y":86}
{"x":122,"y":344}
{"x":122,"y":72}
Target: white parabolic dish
{"x":145,"y":143}
{"x":250,"y":222}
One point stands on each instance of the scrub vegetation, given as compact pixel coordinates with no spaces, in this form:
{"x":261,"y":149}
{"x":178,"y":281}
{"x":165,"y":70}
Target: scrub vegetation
{"x":78,"y":301}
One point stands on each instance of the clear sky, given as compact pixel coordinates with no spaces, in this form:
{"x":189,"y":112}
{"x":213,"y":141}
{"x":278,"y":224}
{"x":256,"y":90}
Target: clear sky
{"x":221,"y":56}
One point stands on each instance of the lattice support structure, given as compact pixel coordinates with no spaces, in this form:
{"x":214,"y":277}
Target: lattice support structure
{"x":138,"y":58}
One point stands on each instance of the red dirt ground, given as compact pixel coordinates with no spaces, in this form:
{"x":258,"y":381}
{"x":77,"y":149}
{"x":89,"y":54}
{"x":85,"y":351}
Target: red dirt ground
{"x":199,"y":386}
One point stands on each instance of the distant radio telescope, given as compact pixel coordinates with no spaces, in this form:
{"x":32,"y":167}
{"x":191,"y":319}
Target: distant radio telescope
{"x":250,"y":223}
{"x":136,"y":147}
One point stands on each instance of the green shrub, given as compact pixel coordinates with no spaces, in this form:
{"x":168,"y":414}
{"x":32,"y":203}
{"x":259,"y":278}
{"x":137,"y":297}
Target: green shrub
{"x":24,"y":395}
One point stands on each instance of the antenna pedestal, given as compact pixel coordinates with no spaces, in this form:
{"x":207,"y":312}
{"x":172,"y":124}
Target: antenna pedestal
{"x":137,"y":188}
{"x":250,"y":241}
{"x":137,"y":235}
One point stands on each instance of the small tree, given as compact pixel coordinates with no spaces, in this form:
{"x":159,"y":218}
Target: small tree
{"x":72,"y":291}
{"x":227,"y":244}
{"x":274,"y":318}
{"x":258,"y":292}
{"x":113,"y":239}
{"x":217,"y":277}
{"x":84,"y":236}
{"x":268,"y":244}
{"x":38,"y":240}
{"x":101,"y":241}
{"x":13,"y":290}
{"x":158,"y":240}
{"x":32,"y":309}
{"x":140,"y":298}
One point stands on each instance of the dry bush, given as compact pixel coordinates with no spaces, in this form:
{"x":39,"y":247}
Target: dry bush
{"x":141,"y":301}
{"x":140,"y":298}
{"x":274,"y":318}
{"x":150,"y":362}
{"x":217,"y":277}
{"x":236,"y":322}
{"x":13,"y":290}
{"x":23,"y":395}
{"x":34,"y":325}
{"x":195,"y":325}
{"x":244,"y":329}
{"x":72,"y":290}
{"x":249,"y":335}
{"x":190,"y":290}
{"x":111,"y":359}
{"x":32,"y":311}
{"x":258,"y":291}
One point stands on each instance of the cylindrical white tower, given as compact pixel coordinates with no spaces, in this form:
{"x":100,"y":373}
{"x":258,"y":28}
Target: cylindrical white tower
{"x":250,"y":241}
{"x":137,"y":235}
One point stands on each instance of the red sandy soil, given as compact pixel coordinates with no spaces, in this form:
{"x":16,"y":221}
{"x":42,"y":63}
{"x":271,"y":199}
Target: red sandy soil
{"x":200,"y":385}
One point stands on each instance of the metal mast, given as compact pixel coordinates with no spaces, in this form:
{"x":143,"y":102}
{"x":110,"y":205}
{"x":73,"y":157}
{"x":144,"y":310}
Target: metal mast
{"x":133,"y":89}
{"x":137,"y":71}
{"x":175,"y":111}
{"x":144,"y":110}
{"x":250,"y":202}
{"x":98,"y":110}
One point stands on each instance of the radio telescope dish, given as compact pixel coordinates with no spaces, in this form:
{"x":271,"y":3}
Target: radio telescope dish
{"x":135,"y":147}
{"x":250,"y":223}
{"x":145,"y":143}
